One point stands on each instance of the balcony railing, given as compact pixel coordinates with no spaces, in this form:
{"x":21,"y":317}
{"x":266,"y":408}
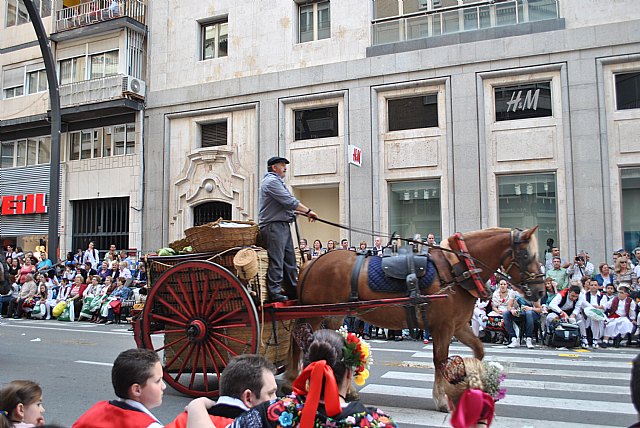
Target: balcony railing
{"x":477,"y":16}
{"x":95,"y":11}
{"x":98,"y":90}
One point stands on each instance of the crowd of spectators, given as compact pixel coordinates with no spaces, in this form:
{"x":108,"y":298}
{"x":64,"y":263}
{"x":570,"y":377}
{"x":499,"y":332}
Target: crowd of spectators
{"x":93,"y":288}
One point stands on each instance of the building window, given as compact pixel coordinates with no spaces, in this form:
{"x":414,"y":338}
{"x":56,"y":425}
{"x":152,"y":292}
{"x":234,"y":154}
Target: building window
{"x":316,"y":123}
{"x":413,"y":112}
{"x":17,"y":12}
{"x":102,"y":142}
{"x":630,"y":184}
{"x":214,"y":134}
{"x":215,"y":41}
{"x":103,"y":64}
{"x":315,"y":21}
{"x":19,"y":153}
{"x":627,"y":90}
{"x":414,"y":207}
{"x":524,"y":101}
{"x":211,"y":211}
{"x":73,"y":70}
{"x":525,"y":200}
{"x":13,"y":82}
{"x":104,"y":221}
{"x":36,"y":81}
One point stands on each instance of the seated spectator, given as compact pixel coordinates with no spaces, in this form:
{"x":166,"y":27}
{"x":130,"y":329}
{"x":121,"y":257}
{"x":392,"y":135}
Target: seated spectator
{"x":130,"y":264}
{"x":331,"y":245}
{"x":111,"y":307}
{"x":317,"y":249}
{"x":125,"y":273}
{"x":549,"y":293}
{"x":21,"y":405}
{"x":69,"y":271}
{"x":44,"y":264}
{"x":76,"y":294}
{"x":567,"y":306}
{"x":115,"y":269}
{"x":9,"y":296}
{"x":104,"y":270}
{"x":140,"y":277}
{"x":521,"y":308}
{"x":247,"y":381}
{"x":90,"y":293}
{"x":362,"y":246}
{"x":87,"y":271}
{"x":136,"y":376}
{"x":621,"y":312}
{"x":27,"y":293}
{"x":27,"y":268}
{"x":478,"y":319}
{"x":495,"y":322}
{"x":332,"y":365}
{"x":472,"y":388}
{"x":594,"y":298}
{"x":78,"y":257}
{"x":604,"y":277}
{"x":97,"y":304}
{"x":14,"y":268}
{"x":111,"y":255}
{"x":624,"y":274}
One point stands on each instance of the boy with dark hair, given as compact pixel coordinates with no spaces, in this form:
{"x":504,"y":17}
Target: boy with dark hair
{"x":247,"y":381}
{"x":137,"y":380}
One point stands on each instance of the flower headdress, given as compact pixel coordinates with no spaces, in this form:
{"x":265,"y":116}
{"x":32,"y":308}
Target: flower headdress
{"x":357,"y":355}
{"x":454,"y":371}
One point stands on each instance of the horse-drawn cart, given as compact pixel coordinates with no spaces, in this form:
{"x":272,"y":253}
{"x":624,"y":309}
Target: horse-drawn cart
{"x":199,"y":314}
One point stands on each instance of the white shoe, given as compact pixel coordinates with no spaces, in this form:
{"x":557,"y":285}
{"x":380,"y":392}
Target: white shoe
{"x":585,"y":343}
{"x":595,"y":345}
{"x":529,"y":342}
{"x":514,"y":343}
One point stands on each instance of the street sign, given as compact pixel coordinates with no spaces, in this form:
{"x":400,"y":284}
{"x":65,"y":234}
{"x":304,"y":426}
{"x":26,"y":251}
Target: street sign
{"x":355,"y":155}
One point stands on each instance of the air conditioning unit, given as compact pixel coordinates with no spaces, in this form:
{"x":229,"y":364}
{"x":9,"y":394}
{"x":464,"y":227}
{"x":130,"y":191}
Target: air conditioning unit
{"x":134,"y":87}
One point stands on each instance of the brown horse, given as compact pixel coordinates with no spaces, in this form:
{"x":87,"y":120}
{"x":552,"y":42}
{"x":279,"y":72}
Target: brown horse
{"x":327,"y":280}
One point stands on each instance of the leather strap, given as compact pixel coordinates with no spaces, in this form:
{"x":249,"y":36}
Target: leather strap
{"x":355,"y":275}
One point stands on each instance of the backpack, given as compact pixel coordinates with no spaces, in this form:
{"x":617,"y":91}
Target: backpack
{"x":564,"y":335}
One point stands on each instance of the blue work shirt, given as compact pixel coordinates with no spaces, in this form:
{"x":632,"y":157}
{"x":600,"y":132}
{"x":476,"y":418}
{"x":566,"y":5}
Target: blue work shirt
{"x":276,"y":202}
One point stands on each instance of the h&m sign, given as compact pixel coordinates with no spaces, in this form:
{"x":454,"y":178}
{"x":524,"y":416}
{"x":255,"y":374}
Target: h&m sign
{"x":33,"y":203}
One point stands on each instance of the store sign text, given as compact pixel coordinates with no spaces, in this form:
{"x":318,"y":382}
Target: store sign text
{"x":33,"y":203}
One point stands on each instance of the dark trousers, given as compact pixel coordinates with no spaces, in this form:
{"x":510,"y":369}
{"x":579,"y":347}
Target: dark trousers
{"x":282,"y":259}
{"x":530,"y":318}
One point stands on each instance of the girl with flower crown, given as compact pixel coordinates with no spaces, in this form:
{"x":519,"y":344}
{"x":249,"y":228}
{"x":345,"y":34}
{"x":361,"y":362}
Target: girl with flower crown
{"x":332,"y":360}
{"x":472,"y":388}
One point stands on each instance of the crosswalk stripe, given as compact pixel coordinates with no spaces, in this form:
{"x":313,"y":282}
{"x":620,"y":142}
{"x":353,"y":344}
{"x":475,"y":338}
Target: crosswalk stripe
{"x":433,"y":418}
{"x":584,"y":363}
{"x":605,"y":355}
{"x":529,"y":371}
{"x":524,"y":384}
{"x":510,"y":400}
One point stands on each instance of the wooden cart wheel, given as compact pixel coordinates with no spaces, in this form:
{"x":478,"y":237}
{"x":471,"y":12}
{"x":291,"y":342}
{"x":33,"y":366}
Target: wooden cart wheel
{"x":198,"y":316}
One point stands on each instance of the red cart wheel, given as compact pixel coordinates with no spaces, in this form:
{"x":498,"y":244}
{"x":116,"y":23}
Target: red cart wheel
{"x":198,"y":316}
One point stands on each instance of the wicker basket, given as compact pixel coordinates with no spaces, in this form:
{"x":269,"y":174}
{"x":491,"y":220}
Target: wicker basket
{"x":179,"y":244}
{"x":215,"y":237}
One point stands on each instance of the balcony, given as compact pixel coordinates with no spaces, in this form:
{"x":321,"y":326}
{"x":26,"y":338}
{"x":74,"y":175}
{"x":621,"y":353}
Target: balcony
{"x":460,"y":19}
{"x":103,"y":89}
{"x":96,"y":11}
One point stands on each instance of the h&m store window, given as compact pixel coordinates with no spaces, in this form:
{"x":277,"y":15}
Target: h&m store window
{"x":414,"y":207}
{"x":525,"y":200}
{"x":524,"y":101}
{"x":314,"y":123}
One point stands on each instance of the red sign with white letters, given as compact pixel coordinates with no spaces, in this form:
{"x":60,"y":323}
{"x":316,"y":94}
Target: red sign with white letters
{"x":33,"y":203}
{"x":355,"y":155}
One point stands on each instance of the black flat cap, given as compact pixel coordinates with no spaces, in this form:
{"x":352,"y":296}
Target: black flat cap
{"x":276,"y":159}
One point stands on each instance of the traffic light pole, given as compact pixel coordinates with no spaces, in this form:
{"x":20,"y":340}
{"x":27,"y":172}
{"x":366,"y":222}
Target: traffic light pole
{"x":54,"y":99}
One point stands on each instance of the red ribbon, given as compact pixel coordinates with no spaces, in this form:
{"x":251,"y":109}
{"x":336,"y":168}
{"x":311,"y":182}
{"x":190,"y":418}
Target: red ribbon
{"x":315,"y":373}
{"x":474,"y":405}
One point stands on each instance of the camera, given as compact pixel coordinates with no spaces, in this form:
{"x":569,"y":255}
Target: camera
{"x":579,"y":259}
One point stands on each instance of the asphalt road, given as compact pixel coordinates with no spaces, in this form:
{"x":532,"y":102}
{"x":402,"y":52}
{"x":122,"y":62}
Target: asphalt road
{"x":546,"y":387}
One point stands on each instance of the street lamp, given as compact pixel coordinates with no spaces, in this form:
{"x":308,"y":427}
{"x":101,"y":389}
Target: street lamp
{"x":54,"y":99}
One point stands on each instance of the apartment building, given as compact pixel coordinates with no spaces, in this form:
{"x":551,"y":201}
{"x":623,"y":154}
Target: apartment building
{"x":464,"y":114}
{"x":100,"y":50}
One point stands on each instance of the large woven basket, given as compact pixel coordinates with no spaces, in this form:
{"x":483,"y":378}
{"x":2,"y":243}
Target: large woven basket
{"x":179,"y":244}
{"x":216,"y":236}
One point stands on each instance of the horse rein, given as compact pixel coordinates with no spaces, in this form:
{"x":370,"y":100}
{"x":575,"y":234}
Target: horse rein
{"x":519,"y":256}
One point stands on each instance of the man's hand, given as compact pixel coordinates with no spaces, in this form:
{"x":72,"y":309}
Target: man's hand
{"x":564,"y":316}
{"x":312,"y":216}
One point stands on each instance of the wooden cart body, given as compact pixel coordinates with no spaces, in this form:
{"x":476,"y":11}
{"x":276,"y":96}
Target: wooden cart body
{"x":199,"y":314}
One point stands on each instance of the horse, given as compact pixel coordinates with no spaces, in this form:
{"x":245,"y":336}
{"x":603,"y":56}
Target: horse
{"x":327,"y":280}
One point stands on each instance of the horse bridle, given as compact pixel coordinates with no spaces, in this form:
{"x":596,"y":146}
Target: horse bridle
{"x":520,"y":258}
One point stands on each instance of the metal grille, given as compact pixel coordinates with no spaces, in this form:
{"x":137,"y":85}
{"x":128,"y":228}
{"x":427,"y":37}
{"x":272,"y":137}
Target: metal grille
{"x":211,"y":211}
{"x":103,"y":221}
{"x":214,"y":134}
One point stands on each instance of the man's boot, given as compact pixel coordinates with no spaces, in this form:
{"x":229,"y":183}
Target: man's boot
{"x":275,"y":294}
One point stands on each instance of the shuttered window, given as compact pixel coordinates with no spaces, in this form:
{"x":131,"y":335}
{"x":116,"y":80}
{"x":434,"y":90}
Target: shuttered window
{"x":214,"y":134}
